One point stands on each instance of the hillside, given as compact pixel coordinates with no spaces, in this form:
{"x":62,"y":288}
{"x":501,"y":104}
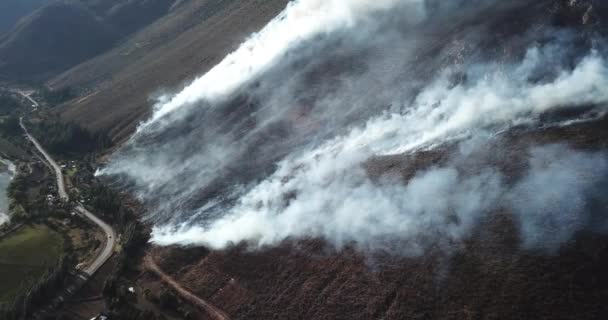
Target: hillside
{"x":13,"y":10}
{"x":446,"y":165}
{"x":65,"y":33}
{"x":194,"y":36}
{"x":436,"y":159}
{"x":490,"y":275}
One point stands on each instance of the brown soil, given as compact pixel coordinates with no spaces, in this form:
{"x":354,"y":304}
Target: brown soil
{"x":489,"y":278}
{"x":184,"y":293}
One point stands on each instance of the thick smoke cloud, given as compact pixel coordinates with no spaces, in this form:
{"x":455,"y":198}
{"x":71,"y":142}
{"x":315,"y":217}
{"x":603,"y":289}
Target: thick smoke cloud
{"x":440,"y":205}
{"x":436,"y":204}
{"x":554,"y":200}
{"x":299,"y":21}
{"x":272,"y":143}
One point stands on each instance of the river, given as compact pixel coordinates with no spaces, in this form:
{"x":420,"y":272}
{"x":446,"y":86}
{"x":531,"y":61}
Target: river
{"x":7,"y":171}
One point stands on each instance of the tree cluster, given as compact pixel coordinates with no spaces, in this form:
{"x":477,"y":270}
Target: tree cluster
{"x":9,"y":127}
{"x":34,"y":294}
{"x":66,"y":138}
{"x":58,"y":96}
{"x":30,"y":209}
{"x":8,"y":104}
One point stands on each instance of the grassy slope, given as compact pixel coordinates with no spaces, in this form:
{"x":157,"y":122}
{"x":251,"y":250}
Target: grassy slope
{"x":25,"y":255}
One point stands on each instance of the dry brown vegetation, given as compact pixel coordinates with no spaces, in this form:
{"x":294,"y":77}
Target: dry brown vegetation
{"x":488,"y":276}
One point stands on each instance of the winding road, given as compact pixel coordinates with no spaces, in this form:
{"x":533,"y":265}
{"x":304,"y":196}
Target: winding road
{"x":110,"y":242}
{"x":58,"y":175}
{"x":28,"y":96}
{"x":108,"y":250}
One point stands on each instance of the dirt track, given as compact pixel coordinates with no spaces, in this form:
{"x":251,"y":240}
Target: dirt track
{"x":213,"y":312}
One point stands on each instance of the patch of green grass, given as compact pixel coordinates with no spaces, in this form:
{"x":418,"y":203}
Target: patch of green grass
{"x":71,"y":172}
{"x":25,"y":255}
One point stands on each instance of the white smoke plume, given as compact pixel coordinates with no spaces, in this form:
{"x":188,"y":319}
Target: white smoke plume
{"x":301,"y":20}
{"x":272,"y":143}
{"x":440,"y":203}
{"x":553,"y":202}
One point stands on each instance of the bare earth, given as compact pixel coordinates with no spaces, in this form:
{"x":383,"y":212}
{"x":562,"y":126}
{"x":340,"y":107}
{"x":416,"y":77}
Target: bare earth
{"x":214,"y":313}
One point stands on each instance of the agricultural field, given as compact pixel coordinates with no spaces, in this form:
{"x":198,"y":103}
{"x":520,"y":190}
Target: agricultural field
{"x":25,"y":255}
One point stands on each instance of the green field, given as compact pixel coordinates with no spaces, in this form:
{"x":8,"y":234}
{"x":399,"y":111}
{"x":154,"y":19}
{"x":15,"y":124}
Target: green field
{"x":26,"y":255}
{"x":72,"y":172}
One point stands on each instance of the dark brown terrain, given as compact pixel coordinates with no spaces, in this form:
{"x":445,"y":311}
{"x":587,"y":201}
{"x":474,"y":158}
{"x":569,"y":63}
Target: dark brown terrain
{"x":489,"y":276}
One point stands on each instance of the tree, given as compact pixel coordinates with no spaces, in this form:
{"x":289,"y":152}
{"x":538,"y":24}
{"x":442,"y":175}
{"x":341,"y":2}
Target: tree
{"x":58,"y":96}
{"x":8,"y":104}
{"x":10,"y":128}
{"x":167,"y":300}
{"x":67,"y":138}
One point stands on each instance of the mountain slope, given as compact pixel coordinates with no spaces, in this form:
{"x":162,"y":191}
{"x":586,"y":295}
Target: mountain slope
{"x":13,"y":10}
{"x":68,"y":32}
{"x":468,"y":185}
{"x":491,"y":275}
{"x":46,"y":41}
{"x":188,"y":41}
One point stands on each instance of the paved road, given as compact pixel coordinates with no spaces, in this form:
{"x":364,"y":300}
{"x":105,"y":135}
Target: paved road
{"x":28,"y":96}
{"x":212,"y":311}
{"x":110,"y":242}
{"x":108,"y":249}
{"x":58,"y":175}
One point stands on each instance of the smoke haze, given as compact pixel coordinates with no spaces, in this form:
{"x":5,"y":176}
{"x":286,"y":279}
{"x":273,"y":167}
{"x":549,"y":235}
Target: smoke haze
{"x":273,"y":142}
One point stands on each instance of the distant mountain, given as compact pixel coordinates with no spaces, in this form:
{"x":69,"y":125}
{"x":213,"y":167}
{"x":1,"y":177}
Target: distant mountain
{"x":65,"y":33}
{"x":13,"y":10}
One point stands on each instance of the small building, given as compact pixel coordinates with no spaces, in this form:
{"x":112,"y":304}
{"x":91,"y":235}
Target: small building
{"x":101,"y":316}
